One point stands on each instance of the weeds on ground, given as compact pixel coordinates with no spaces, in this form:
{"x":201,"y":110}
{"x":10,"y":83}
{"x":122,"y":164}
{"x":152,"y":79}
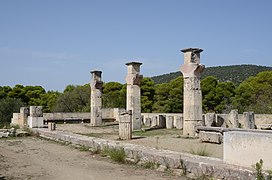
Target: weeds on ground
{"x":201,"y":151}
{"x":168,"y":171}
{"x":157,"y":132}
{"x":259,"y":171}
{"x":83,"y":148}
{"x":116,"y":154}
{"x":149,"y":165}
{"x":15,"y":126}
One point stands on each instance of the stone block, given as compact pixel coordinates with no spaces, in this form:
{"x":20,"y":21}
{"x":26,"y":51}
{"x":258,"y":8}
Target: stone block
{"x":154,"y":120}
{"x":162,"y":121}
{"x":35,"y":122}
{"x":4,"y":134}
{"x":24,"y":110}
{"x":51,"y":126}
{"x":125,"y":126}
{"x":169,"y":122}
{"x":209,"y":119}
{"x":178,"y":121}
{"x":220,"y":120}
{"x":233,"y":119}
{"x":147,"y":122}
{"x":247,"y":148}
{"x":35,"y":111}
{"x":248,"y":120}
{"x":15,"y":118}
{"x":212,"y":137}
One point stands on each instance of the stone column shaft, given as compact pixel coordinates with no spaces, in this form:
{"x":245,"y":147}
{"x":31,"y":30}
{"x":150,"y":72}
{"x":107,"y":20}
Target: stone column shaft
{"x":125,"y":126}
{"x":96,"y":98}
{"x":133,"y":80}
{"x":192,"y":109}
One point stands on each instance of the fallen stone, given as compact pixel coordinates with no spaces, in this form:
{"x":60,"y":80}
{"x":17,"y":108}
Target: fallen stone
{"x":212,"y":137}
{"x":4,"y":134}
{"x":21,"y":133}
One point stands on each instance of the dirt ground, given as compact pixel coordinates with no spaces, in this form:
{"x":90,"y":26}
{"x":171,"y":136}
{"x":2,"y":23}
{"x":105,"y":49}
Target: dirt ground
{"x":36,"y":158}
{"x":170,"y":139}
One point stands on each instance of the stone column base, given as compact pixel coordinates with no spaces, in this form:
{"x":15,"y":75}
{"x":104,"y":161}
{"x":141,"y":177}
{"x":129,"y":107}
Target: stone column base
{"x":189,"y":127}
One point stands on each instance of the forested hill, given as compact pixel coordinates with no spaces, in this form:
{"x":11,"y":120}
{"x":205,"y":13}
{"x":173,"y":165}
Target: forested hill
{"x":234,"y":73}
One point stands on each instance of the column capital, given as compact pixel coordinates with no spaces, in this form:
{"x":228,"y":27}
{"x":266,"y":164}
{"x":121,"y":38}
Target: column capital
{"x":196,"y":50}
{"x":96,"y":72}
{"x":191,"y":55}
{"x":134,"y":63}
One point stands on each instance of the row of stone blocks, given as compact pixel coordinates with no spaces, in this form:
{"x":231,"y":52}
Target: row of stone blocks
{"x":191,"y":165}
{"x":163,"y":121}
{"x":231,"y":120}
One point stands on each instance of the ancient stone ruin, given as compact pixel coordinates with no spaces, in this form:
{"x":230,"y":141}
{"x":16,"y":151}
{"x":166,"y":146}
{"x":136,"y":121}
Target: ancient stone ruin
{"x":96,"y":98}
{"x":125,"y":125}
{"x":133,"y":80}
{"x":232,"y":129}
{"x":35,"y":119}
{"x":192,"y":97}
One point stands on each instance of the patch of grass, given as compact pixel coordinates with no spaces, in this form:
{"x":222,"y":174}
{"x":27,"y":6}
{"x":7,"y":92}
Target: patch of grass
{"x":168,"y":171}
{"x":201,"y":151}
{"x":157,"y":132}
{"x":149,"y":165}
{"x":15,"y":126}
{"x":83,"y":148}
{"x":116,"y":154}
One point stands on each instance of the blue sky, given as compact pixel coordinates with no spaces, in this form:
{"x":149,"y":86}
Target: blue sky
{"x":54,"y":43}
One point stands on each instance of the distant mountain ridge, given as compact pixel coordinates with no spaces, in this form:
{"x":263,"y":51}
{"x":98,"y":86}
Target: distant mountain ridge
{"x":234,"y":73}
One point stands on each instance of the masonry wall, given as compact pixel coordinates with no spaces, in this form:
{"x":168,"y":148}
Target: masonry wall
{"x":107,"y":113}
{"x":247,"y":148}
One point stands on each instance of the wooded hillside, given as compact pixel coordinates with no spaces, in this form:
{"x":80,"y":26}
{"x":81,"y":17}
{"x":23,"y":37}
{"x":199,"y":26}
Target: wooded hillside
{"x":234,"y":73}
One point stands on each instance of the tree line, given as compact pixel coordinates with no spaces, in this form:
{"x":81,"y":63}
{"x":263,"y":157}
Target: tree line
{"x":233,"y":73}
{"x":253,"y":94}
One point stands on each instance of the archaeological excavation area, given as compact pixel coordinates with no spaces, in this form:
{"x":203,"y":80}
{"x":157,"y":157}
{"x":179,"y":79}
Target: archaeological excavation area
{"x":191,"y":144}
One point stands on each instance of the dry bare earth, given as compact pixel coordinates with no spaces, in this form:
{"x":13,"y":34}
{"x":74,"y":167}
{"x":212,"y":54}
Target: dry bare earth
{"x":35,"y":158}
{"x":170,"y":139}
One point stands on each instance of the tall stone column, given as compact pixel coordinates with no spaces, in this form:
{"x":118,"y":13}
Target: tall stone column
{"x":192,"y":97}
{"x":133,"y":80}
{"x":96,"y":98}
